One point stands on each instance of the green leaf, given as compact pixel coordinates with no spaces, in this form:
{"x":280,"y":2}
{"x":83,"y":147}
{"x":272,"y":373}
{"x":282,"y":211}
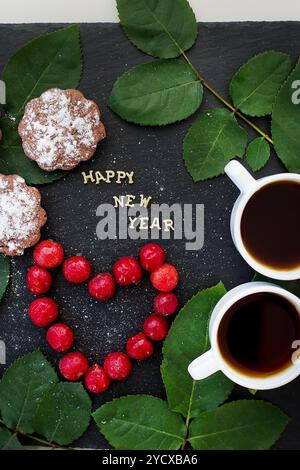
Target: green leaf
{"x":14,"y":161}
{"x":254,"y":87}
{"x":286,"y":124}
{"x":140,"y":423}
{"x":157,"y":93}
{"x":49,"y":61}
{"x":4,"y":274}
{"x":211,"y":142}
{"x":187,"y":339}
{"x":21,"y":389}
{"x":258,"y":153}
{"x":64,"y":413}
{"x":163,"y":29}
{"x":291,"y":286}
{"x":241,"y":425}
{"x":9,"y":441}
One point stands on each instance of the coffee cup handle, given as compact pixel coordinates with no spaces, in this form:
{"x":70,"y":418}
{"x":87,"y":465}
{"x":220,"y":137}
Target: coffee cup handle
{"x":239,"y":176}
{"x":203,"y":366}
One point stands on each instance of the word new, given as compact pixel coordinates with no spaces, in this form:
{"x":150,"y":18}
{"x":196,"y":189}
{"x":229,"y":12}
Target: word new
{"x":108,"y":176}
{"x":143,"y":222}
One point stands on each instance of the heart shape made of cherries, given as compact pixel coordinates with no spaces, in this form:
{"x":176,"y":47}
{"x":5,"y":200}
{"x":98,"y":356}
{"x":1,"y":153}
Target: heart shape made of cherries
{"x":43,"y":311}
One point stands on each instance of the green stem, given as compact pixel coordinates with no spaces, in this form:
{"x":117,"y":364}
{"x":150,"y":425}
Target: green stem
{"x":187,"y":420}
{"x":36,"y":439}
{"x":188,"y":416}
{"x":225,"y":102}
{"x":187,"y":423}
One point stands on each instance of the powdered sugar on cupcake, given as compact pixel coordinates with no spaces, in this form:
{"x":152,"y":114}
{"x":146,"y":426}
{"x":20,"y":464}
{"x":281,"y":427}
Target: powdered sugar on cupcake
{"x":60,"y":129}
{"x":21,"y":215}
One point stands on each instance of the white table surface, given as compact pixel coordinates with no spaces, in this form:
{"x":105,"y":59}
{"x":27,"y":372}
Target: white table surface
{"x":47,"y":11}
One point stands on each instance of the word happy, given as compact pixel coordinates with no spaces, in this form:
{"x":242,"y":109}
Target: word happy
{"x":126,"y":219}
{"x":108,"y":176}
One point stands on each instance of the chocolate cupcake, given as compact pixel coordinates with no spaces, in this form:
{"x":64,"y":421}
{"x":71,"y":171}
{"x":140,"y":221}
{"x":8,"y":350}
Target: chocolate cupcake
{"x":21,"y":215}
{"x":60,"y":129}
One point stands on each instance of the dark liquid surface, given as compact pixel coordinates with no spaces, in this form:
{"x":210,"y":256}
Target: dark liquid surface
{"x":256,"y":334}
{"x":270,"y":225}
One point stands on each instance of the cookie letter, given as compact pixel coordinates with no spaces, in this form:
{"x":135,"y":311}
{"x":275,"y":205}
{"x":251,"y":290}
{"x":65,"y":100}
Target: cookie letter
{"x":121,"y":175}
{"x":130,"y":177}
{"x":145,"y":200}
{"x":88,"y":177}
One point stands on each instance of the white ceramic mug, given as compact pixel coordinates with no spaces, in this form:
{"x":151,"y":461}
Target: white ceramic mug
{"x":212,"y":361}
{"x":248,"y":186}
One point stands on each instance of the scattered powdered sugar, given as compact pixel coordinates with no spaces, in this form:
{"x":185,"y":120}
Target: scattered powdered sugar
{"x":60,"y":129}
{"x":19,"y":219}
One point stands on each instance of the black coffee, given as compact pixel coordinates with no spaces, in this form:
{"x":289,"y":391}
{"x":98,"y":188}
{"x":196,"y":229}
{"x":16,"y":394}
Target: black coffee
{"x":270,"y":225}
{"x":255,"y":336}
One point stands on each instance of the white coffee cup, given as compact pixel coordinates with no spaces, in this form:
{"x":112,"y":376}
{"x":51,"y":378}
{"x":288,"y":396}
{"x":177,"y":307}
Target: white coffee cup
{"x":212,"y":361}
{"x":248,"y":186}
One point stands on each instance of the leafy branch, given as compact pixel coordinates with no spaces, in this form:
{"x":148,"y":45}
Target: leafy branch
{"x":156,"y":93}
{"x":225,"y":102}
{"x":33,"y":401}
{"x":11,"y":435}
{"x":180,"y":41}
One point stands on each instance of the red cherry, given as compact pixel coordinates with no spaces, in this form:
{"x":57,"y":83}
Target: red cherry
{"x":156,"y":327}
{"x":165,"y":278}
{"x":127,"y":271}
{"x":139,"y":347}
{"x":48,"y":254}
{"x":102,"y":286}
{"x":152,"y":256}
{"x":117,"y":365}
{"x":39,"y":280}
{"x":96,"y":379}
{"x":43,"y":311}
{"x":166,"y":304}
{"x":73,"y":366}
{"x":77,"y":269}
{"x":60,"y":337}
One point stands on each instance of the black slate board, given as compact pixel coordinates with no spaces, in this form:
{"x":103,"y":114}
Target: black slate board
{"x":155,"y":154}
